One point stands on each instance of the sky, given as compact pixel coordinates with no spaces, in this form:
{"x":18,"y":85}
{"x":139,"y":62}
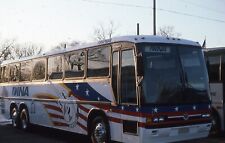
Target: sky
{"x":49,"y":22}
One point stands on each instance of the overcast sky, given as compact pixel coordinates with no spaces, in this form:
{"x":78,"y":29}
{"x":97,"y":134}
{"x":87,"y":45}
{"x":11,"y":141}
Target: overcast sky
{"x":48,"y":22}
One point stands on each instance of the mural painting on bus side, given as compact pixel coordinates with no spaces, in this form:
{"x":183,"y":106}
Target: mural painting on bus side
{"x":69,"y":109}
{"x":64,"y":111}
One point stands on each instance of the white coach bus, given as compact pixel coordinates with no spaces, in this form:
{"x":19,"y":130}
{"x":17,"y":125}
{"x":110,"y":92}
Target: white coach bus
{"x":215,"y":60}
{"x":133,"y":89}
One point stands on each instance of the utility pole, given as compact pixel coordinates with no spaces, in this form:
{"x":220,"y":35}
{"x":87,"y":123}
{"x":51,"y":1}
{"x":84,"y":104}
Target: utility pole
{"x":154,"y":17}
{"x":137,"y":28}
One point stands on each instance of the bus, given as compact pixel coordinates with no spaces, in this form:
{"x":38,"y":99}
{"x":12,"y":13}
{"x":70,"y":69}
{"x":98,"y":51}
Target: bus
{"x":131,"y":89}
{"x":215,"y":60}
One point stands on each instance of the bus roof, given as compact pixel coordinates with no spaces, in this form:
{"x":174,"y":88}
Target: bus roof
{"x":216,"y":50}
{"x":132,"y":38}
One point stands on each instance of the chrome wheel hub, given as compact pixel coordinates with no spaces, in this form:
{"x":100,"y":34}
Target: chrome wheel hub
{"x":100,"y":133}
{"x":14,"y":116}
{"x":24,"y":121}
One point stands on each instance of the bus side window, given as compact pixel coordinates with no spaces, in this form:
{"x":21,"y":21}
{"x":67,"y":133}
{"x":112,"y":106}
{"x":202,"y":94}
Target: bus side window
{"x":128,"y":81}
{"x":38,"y":69}
{"x":6,"y":73}
{"x":74,"y":64}
{"x":25,"y":71}
{"x":14,"y":72}
{"x":214,"y":68}
{"x":1,"y":74}
{"x":98,"y":61}
{"x":55,"y":67}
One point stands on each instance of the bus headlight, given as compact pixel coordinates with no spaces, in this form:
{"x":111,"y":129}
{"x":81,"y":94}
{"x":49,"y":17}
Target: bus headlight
{"x":205,"y":115}
{"x":161,"y":119}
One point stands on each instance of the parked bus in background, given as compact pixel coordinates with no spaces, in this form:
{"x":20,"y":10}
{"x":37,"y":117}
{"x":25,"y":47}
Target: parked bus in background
{"x":215,"y":60}
{"x":133,"y":89}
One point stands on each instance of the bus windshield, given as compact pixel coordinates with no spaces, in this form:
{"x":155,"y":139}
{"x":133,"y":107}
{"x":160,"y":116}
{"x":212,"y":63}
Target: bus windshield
{"x":173,"y":74}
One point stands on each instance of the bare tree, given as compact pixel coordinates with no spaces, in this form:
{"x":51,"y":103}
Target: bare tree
{"x":168,"y":31}
{"x":6,"y":50}
{"x":102,"y":33}
{"x":25,"y":50}
{"x":64,"y":45}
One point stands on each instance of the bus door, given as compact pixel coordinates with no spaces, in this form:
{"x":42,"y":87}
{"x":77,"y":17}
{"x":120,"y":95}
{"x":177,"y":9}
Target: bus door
{"x":124,"y":87}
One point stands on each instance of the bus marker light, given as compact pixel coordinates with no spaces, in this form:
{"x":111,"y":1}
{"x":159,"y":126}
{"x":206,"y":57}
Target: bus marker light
{"x":148,"y":120}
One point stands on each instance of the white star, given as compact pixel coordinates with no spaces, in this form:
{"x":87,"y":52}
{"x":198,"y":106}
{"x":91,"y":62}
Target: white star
{"x":98,"y":98}
{"x":194,"y":107}
{"x":209,"y":106}
{"x":137,"y":109}
{"x":155,"y":110}
{"x":176,"y":108}
{"x":87,"y":92}
{"x":122,"y":108}
{"x":77,"y":86}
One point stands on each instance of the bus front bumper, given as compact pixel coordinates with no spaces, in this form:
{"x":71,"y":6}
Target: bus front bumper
{"x":174,"y":134}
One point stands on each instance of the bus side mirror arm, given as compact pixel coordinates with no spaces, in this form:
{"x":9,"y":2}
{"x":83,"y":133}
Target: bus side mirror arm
{"x":140,"y":71}
{"x":139,"y":80}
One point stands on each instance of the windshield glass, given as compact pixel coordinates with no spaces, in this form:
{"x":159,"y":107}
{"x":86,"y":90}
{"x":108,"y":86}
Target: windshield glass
{"x":173,"y":74}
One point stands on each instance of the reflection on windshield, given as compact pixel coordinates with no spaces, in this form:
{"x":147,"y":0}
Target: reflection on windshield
{"x":173,"y":74}
{"x":195,"y":77}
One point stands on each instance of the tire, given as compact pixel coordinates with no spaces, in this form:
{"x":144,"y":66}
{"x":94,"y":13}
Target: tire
{"x":215,"y":129}
{"x":99,"y":132}
{"x":15,"y":118}
{"x":24,"y":119}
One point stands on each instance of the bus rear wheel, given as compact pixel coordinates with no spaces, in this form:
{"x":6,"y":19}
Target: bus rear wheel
{"x":24,"y":119}
{"x":99,"y":131}
{"x":14,"y":117}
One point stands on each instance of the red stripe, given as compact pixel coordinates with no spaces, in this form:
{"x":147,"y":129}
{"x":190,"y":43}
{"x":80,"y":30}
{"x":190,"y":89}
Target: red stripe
{"x":84,"y":108}
{"x":179,"y":122}
{"x":83,"y":127}
{"x":45,"y":97}
{"x":116,"y":120}
{"x":182,"y":113}
{"x":52,"y":107}
{"x":82,"y":117}
{"x":141,"y":124}
{"x":59,"y":124}
{"x":55,"y":116}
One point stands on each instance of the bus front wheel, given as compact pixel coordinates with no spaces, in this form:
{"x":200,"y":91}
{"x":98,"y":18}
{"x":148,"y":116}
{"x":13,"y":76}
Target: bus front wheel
{"x":99,"y":131}
{"x":24,"y":119}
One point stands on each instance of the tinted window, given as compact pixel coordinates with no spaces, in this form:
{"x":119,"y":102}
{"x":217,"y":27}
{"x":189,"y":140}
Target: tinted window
{"x":98,"y":61}
{"x":26,"y":71}
{"x":162,"y":79}
{"x":74,"y":64}
{"x":55,"y":67}
{"x":173,"y":74}
{"x":39,"y":69}
{"x":128,"y":81}
{"x":195,"y":75}
{"x":115,"y":72}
